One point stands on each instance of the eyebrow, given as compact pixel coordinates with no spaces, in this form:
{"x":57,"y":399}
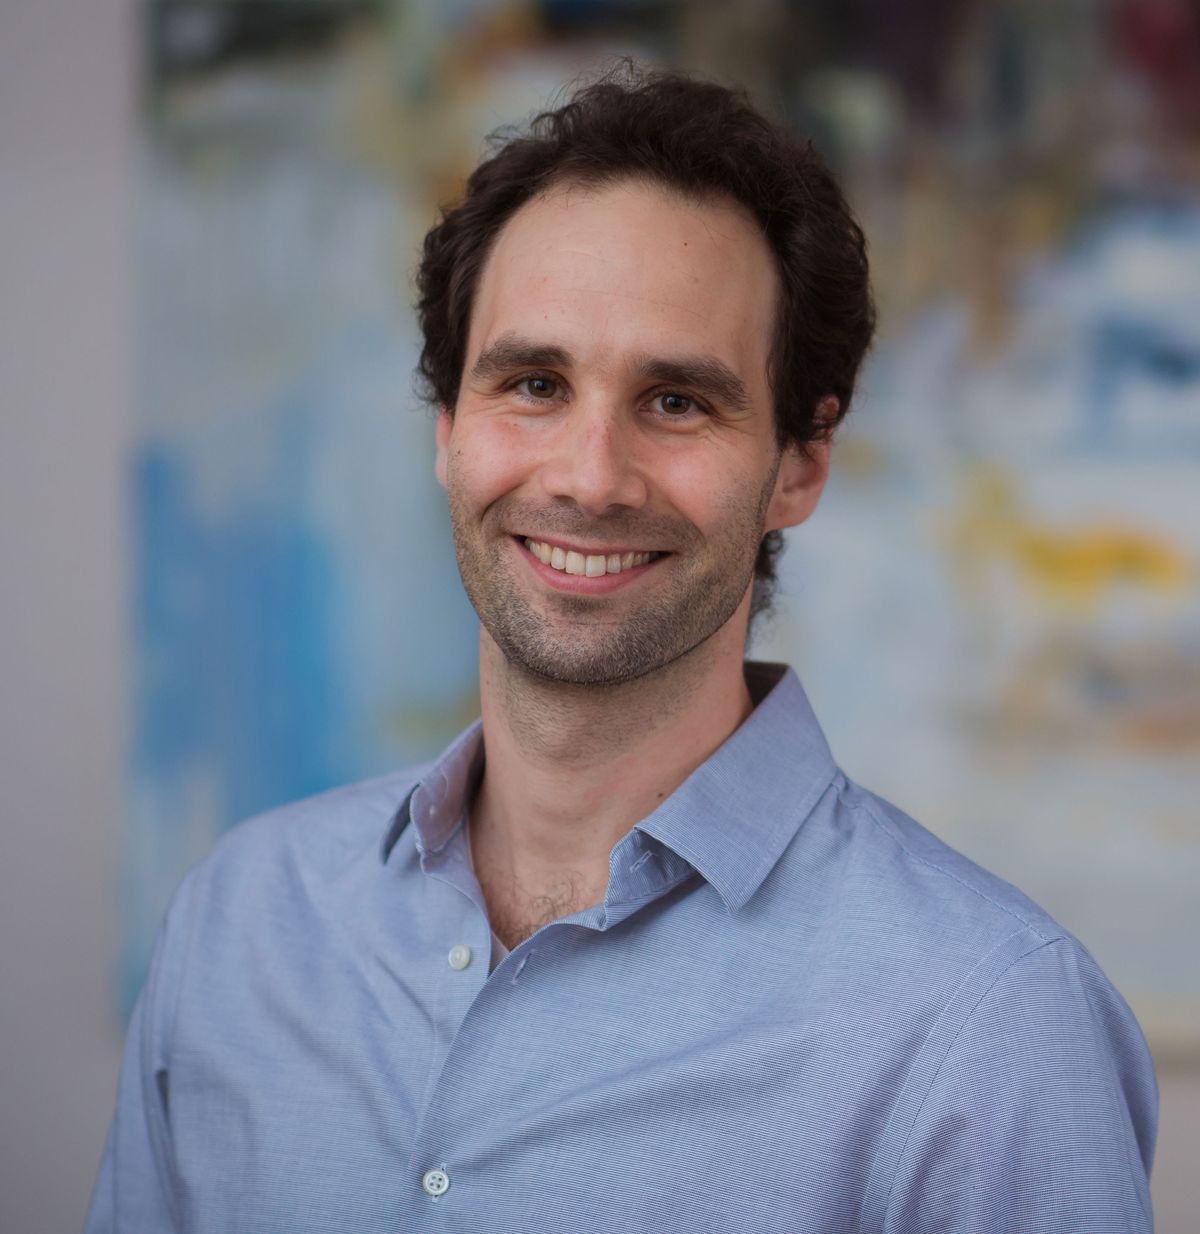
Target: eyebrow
{"x":704,"y":374}
{"x":509,"y":352}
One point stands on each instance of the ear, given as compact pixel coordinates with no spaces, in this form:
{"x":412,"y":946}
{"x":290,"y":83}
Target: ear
{"x":802,"y":474}
{"x":445,"y":422}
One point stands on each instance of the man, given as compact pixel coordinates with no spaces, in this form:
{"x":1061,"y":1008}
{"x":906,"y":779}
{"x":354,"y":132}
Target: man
{"x":632,"y":954}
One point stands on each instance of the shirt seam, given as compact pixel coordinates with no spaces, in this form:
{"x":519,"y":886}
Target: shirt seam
{"x":866,"y":807}
{"x":949,"y":1048}
{"x":1060,"y":941}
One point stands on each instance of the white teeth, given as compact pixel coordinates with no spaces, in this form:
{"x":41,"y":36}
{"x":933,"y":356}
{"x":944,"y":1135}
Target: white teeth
{"x":592,"y":565}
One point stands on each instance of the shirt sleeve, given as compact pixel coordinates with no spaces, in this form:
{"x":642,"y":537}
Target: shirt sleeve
{"x":1041,"y":1118}
{"x":134,"y":1191}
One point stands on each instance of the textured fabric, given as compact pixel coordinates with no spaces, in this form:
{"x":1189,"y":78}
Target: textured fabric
{"x":795,"y":1010}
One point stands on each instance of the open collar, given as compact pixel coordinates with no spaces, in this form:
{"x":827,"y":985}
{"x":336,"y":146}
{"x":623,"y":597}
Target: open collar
{"x":729,"y":820}
{"x":736,"y":813}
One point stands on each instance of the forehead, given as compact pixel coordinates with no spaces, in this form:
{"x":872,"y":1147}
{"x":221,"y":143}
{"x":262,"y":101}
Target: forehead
{"x":631,"y":268}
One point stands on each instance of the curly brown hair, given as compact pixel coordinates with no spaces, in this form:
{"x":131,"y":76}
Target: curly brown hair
{"x":701,"y":139}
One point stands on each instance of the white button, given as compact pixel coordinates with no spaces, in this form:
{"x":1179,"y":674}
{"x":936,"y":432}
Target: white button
{"x":460,"y":956}
{"x":436,"y":1182}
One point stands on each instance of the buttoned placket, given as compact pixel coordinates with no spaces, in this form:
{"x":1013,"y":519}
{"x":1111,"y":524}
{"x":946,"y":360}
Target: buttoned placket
{"x":460,"y":970}
{"x":480,"y":1017}
{"x":640,"y":870}
{"x":467,"y":943}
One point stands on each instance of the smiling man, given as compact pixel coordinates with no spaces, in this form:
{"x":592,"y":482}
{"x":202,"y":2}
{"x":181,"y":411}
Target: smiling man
{"x":612,"y":465}
{"x":633,"y":954}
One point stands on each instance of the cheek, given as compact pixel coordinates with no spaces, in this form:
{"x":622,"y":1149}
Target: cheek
{"x":487,"y":462}
{"x":710,"y":486}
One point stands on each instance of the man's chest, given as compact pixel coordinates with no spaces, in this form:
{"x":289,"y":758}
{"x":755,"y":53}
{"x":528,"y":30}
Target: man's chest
{"x":564,"y":1093}
{"x":521,"y":902}
{"x":516,"y":911}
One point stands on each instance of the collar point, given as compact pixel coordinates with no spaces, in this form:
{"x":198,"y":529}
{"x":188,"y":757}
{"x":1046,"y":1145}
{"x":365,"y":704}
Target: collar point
{"x":400,"y":820}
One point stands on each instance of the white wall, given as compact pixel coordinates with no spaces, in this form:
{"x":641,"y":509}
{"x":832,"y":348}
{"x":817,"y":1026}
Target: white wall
{"x":67,"y":85}
{"x":66,"y":90}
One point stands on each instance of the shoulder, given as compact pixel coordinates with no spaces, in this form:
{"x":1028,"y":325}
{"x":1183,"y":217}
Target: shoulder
{"x":971,"y":935}
{"x":891,"y":912}
{"x":902,"y":921}
{"x":928,"y":890}
{"x":1032,"y":1104}
{"x":266,"y":881}
{"x":323,"y":830}
{"x":286,"y":858}
{"x":1019,"y":1042}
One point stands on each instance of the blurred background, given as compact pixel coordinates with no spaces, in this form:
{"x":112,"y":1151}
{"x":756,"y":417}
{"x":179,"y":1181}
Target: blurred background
{"x":227,"y":573}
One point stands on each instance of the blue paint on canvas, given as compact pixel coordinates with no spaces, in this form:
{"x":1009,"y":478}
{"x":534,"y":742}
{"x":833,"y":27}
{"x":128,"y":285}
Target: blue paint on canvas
{"x":298,"y":621}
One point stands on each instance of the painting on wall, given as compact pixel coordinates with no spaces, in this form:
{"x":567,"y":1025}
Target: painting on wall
{"x":996,"y":608}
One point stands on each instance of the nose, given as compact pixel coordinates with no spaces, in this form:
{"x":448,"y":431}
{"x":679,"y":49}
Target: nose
{"x":594,"y":460}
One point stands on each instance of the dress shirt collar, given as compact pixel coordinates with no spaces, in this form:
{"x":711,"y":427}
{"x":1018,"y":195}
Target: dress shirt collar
{"x":435,"y":804}
{"x":729,"y":820}
{"x":737,"y":812}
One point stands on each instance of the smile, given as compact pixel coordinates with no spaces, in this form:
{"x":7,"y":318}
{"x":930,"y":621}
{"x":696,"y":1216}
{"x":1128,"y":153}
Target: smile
{"x":589,"y":565}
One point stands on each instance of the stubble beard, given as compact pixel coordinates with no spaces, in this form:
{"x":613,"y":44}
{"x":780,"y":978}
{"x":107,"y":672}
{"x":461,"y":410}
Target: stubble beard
{"x":573,"y":639}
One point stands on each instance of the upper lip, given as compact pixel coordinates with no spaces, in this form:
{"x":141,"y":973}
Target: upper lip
{"x":587,"y":551}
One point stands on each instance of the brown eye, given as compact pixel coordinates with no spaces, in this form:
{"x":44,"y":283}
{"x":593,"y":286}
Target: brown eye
{"x":540,"y":387}
{"x":674,"y":406}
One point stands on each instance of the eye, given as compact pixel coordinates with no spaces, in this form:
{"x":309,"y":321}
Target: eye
{"x":538,"y":387}
{"x":673,"y":406}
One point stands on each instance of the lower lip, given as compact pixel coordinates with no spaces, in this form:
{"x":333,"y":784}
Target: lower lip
{"x":580,"y":584}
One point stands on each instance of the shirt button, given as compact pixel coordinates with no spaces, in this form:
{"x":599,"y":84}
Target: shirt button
{"x":460,"y":956}
{"x":436,"y":1182}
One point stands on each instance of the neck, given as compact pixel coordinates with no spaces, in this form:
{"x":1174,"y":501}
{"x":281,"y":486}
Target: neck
{"x":570,"y":769}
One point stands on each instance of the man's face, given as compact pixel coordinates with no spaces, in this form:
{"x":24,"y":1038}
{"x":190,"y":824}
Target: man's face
{"x":611,"y":463}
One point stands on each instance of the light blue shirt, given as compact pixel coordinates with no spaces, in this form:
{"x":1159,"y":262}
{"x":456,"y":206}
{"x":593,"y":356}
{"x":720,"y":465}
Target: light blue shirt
{"x":795,"y":1010}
